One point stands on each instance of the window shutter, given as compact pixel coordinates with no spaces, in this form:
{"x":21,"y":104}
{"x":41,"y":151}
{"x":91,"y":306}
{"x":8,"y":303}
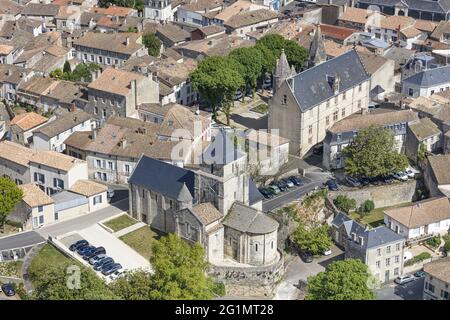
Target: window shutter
{"x":35,"y":176}
{"x":55,"y":182}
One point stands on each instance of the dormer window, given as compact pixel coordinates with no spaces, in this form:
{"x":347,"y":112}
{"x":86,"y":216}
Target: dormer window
{"x":284,"y":99}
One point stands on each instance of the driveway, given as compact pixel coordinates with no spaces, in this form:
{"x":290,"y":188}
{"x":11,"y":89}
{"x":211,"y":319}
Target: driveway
{"x":409,"y":291}
{"x":298,"y":270}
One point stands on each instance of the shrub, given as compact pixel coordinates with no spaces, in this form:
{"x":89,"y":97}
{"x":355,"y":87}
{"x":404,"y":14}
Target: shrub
{"x":418,"y":258}
{"x":366,"y":207}
{"x":219,"y":289}
{"x":14,"y":224}
{"x":447,"y":246}
{"x":344,"y":203}
{"x":434,"y":242}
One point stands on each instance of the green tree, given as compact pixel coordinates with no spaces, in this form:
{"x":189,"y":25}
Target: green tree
{"x":447,"y":246}
{"x":344,"y":203}
{"x":132,"y":29}
{"x":136,"y":4}
{"x":342,"y":280}
{"x":180,"y":271}
{"x":10,"y":195}
{"x":421,"y":153}
{"x":217,"y":82}
{"x":54,"y":283}
{"x":57,"y":74}
{"x":67,"y":68}
{"x":367,"y":207}
{"x":152,"y":43}
{"x":251,"y":60}
{"x":134,"y":285}
{"x":373,"y":153}
{"x":314,"y":239}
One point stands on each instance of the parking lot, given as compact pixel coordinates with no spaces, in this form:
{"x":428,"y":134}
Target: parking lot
{"x":408,"y":291}
{"x":115,"y":248}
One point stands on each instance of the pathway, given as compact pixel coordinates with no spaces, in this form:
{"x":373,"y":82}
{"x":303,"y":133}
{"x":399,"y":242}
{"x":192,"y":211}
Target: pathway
{"x":129,"y":229}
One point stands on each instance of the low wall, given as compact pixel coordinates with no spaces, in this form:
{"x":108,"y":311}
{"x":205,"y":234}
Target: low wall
{"x":249,"y":281}
{"x":382,"y":196}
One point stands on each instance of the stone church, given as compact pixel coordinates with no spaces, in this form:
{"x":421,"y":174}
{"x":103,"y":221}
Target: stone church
{"x":214,"y":203}
{"x":304,"y":105}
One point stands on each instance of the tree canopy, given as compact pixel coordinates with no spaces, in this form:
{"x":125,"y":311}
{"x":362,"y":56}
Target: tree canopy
{"x":314,"y":239}
{"x":344,"y":203}
{"x":82,"y":72}
{"x":136,"y":4}
{"x":251,"y":60}
{"x":372,"y":153}
{"x":152,"y":43}
{"x":342,"y":280}
{"x":10,"y":195}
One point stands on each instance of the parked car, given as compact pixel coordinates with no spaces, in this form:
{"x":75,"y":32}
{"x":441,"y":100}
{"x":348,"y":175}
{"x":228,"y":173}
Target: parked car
{"x":98,"y":265}
{"x":78,"y":245}
{"x":387,"y":179}
{"x":327,"y":252}
{"x":404,"y":279}
{"x":88,"y":253}
{"x":306,"y":256}
{"x":401,"y":176}
{"x":420,"y":274}
{"x":238,"y":95}
{"x":288,"y":182}
{"x":266,"y":193}
{"x":332,"y":185}
{"x":353,"y":182}
{"x":281,"y":185}
{"x":93,"y":260}
{"x":110,"y":193}
{"x":114,"y":267}
{"x":116,"y":274}
{"x":373,"y":106}
{"x":97,"y":251}
{"x":106,"y":267}
{"x":8,"y":289}
{"x":376,"y":181}
{"x":85,"y":249}
{"x":274,"y":189}
{"x":267,"y":84}
{"x":411,"y":174}
{"x":296,"y":180}
{"x":364,"y":181}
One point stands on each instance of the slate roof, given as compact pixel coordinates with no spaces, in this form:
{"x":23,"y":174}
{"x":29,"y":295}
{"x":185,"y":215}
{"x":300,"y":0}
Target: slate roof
{"x":440,"y":6}
{"x":66,"y":199}
{"x":249,"y":220}
{"x":430,"y":77}
{"x":169,"y":180}
{"x":221,"y":150}
{"x":311,"y":87}
{"x":372,"y":237}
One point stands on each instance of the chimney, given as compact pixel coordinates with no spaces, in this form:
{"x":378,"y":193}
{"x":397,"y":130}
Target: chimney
{"x":9,"y":72}
{"x":123,"y":143}
{"x":127,"y":41}
{"x":94,"y":134}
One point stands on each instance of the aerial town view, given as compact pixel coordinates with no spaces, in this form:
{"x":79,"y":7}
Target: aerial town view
{"x":224,"y":150}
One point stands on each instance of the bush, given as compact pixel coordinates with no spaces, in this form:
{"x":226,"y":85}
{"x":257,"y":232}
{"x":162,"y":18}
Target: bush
{"x":366,"y":207}
{"x":418,"y":258}
{"x":447,"y":246}
{"x":14,"y":224}
{"x":434,"y":242}
{"x":219,"y":289}
{"x":344,"y":203}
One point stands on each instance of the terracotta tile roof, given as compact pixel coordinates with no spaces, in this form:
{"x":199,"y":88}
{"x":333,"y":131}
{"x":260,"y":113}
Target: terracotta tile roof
{"x":372,"y":62}
{"x":211,"y":29}
{"x":34,"y":196}
{"x":115,"y":81}
{"x":173,"y":32}
{"x":356,"y":15}
{"x":358,"y":121}
{"x":114,"y":42}
{"x":440,"y":165}
{"x":334,"y":49}
{"x":421,"y":213}
{"x":207,"y":213}
{"x":5,"y":49}
{"x":216,"y":46}
{"x":425,"y":25}
{"x":249,"y":18}
{"x":202,"y":5}
{"x":424,"y":129}
{"x":55,"y":160}
{"x":336,"y":32}
{"x":28,"y":120}
{"x":16,"y":153}
{"x":233,"y":9}
{"x":64,"y":123}
{"x":179,"y":117}
{"x":10,"y":7}
{"x":171,"y":72}
{"x":88,"y":188}
{"x":119,"y":11}
{"x":411,"y":32}
{"x":38,"y":85}
{"x":67,"y":11}
{"x":394,"y":22}
{"x":439,"y":269}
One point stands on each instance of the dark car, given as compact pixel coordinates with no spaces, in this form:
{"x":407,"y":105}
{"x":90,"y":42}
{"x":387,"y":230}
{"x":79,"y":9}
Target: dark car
{"x":114,"y":267}
{"x":288,"y":182}
{"x":107,"y":266}
{"x":88,"y":253}
{"x":306,"y":256}
{"x":98,"y":266}
{"x":364,"y":181}
{"x":8,"y":289}
{"x":387,"y":179}
{"x":282,"y":185}
{"x":266,"y":193}
{"x":332,"y":185}
{"x":97,"y":251}
{"x":296,"y":180}
{"x":318,"y":150}
{"x":420,"y":274}
{"x":85,"y":249}
{"x":78,"y":245}
{"x":376,"y":181}
{"x":353,"y":182}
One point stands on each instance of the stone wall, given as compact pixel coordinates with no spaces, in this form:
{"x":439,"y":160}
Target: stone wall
{"x":382,"y":196}
{"x":249,"y":281}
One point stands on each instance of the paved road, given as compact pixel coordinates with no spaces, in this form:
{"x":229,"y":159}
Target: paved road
{"x":408,"y":291}
{"x":30,"y":238}
{"x":299,"y":270}
{"x":21,"y":240}
{"x":312,"y":181}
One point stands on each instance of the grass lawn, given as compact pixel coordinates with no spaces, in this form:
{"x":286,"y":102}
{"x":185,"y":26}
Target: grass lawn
{"x":120,"y":223}
{"x":141,"y":240}
{"x":376,"y":217}
{"x":49,"y":255}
